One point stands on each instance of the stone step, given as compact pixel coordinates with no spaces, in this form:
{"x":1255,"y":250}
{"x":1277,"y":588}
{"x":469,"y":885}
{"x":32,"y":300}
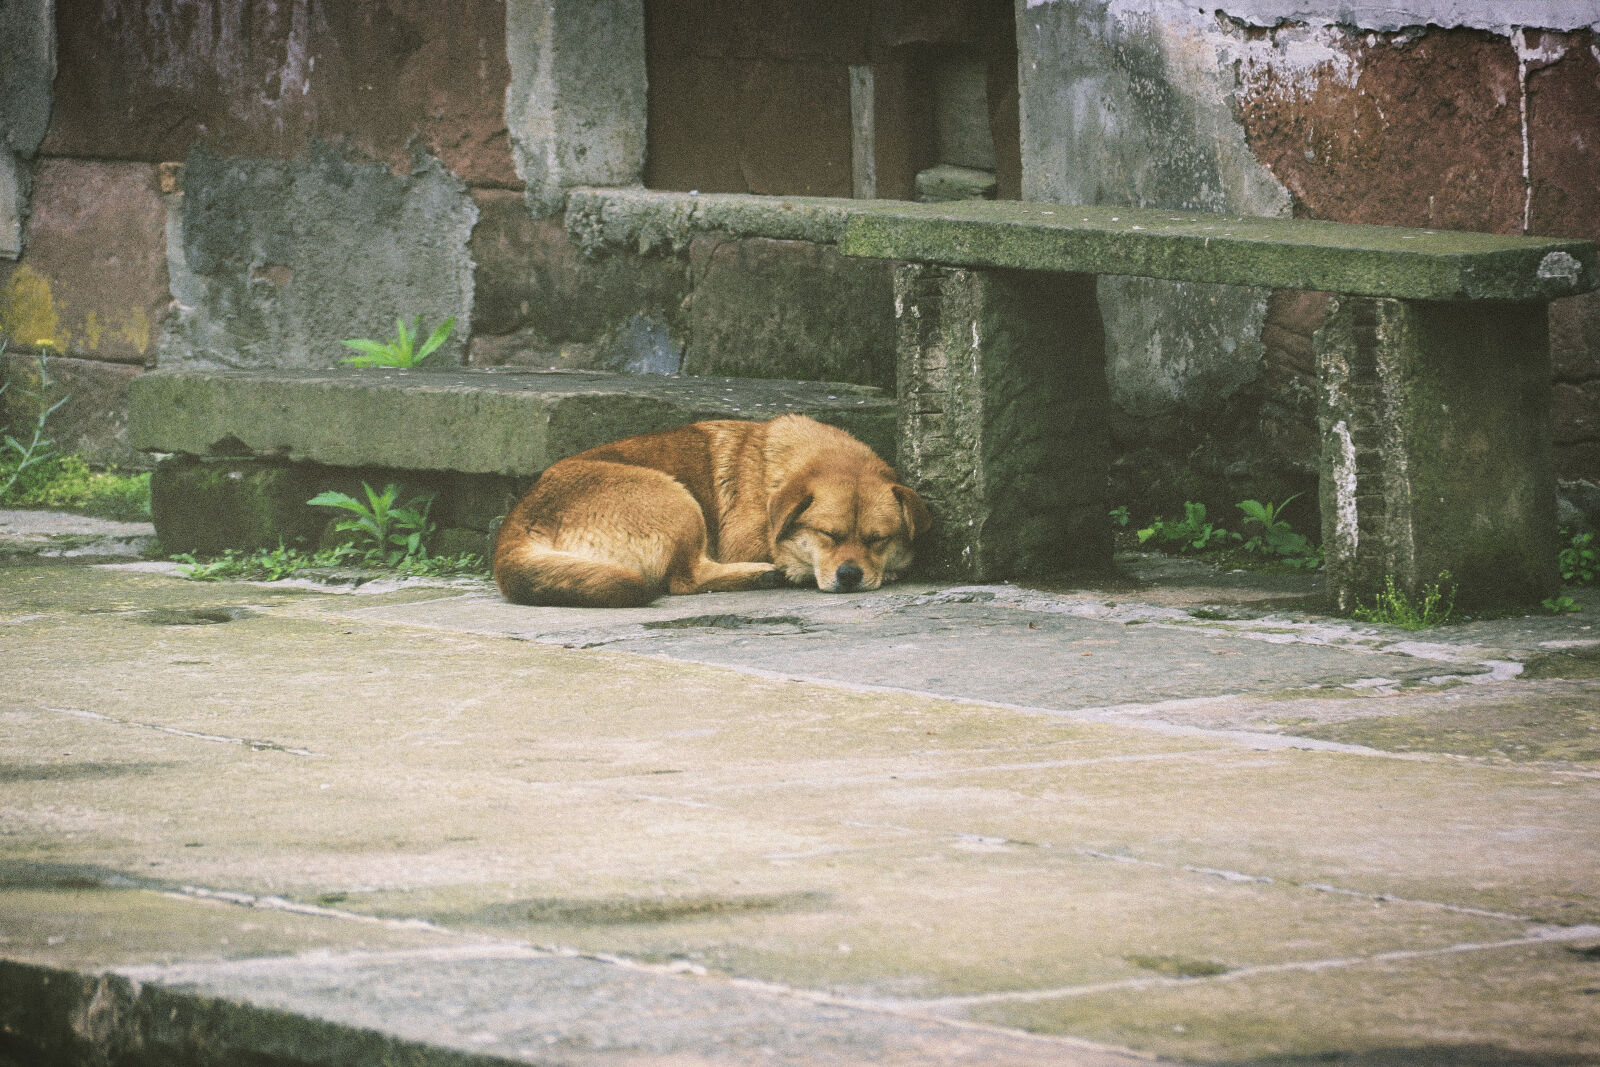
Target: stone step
{"x":501,"y":421}
{"x":247,"y":449}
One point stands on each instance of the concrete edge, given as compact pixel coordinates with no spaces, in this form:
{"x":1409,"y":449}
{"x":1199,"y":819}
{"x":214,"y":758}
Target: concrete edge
{"x":58,"y":1016}
{"x":467,"y":422}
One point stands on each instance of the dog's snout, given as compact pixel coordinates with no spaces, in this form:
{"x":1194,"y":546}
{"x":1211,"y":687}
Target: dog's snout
{"x":847,"y":577}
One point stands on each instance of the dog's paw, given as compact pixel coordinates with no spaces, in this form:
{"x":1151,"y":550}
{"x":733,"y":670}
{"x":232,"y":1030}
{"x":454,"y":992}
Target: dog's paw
{"x":773,"y":579}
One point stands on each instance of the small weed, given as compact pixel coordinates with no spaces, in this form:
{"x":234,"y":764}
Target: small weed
{"x":1276,"y":537}
{"x":1394,"y":607}
{"x":1120,"y":517}
{"x":1192,"y":534}
{"x":276,"y":564}
{"x":1560,"y":605}
{"x":35,"y":474}
{"x":1580,"y":559}
{"x":1274,"y":544}
{"x":66,"y":482}
{"x":389,"y":537}
{"x":402,"y":351}
{"x":20,"y":457}
{"x":260,"y":565}
{"x":391,"y":533}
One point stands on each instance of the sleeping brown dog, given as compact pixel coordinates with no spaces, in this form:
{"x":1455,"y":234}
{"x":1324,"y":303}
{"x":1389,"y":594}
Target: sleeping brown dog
{"x":710,"y":506}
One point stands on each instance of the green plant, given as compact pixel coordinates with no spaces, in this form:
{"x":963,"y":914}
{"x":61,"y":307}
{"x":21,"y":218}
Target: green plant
{"x":19,"y":458}
{"x":1277,"y":537}
{"x":1560,"y":605}
{"x":259,"y":565}
{"x":1192,"y":534}
{"x":401,"y":352}
{"x":393,"y":533}
{"x":1394,"y":607}
{"x":1119,"y":516}
{"x":67,"y":482}
{"x":275,"y":564}
{"x":1580,"y":560}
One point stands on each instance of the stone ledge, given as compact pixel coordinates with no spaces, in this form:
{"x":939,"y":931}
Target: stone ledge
{"x":1385,"y":261}
{"x":471,"y":422}
{"x":643,"y":219}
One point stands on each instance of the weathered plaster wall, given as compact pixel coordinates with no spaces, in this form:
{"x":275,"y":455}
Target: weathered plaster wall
{"x":273,"y":262}
{"x":1455,"y":113}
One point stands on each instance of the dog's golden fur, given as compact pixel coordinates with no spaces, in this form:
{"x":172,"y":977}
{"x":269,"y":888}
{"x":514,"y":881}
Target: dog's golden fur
{"x":710,"y":506}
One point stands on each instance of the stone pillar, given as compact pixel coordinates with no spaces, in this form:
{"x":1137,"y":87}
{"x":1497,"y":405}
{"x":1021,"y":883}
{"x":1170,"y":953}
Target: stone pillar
{"x":27,"y":74}
{"x":1436,"y":450}
{"x":1003,"y":419}
{"x":575,"y":108}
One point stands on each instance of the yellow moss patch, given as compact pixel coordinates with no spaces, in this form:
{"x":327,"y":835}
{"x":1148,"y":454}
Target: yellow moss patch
{"x":28,"y":314}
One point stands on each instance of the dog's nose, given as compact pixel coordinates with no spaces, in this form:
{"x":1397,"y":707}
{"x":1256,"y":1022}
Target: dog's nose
{"x":847,"y":577}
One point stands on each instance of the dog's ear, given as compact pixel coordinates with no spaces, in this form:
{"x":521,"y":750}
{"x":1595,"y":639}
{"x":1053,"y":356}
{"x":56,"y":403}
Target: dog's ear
{"x":785,"y":506}
{"x":915,"y":511}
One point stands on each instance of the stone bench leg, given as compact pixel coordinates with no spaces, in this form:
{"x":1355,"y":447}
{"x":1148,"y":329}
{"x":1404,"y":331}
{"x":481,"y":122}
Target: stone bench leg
{"x":1003,"y":419}
{"x":1436,"y":450}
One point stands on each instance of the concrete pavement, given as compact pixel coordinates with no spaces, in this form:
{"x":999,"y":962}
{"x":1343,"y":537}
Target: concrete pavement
{"x":1179,"y":818}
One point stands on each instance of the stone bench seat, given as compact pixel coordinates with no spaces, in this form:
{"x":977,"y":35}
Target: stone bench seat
{"x":1433,"y":365}
{"x":1332,"y":257}
{"x":249,"y":447}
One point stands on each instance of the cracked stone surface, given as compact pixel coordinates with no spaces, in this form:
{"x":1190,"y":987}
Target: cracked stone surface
{"x":1182,"y":817}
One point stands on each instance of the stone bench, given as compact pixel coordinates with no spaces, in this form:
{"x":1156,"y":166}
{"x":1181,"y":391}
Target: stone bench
{"x":1433,"y":364}
{"x":1434,"y":370}
{"x":247,"y":449}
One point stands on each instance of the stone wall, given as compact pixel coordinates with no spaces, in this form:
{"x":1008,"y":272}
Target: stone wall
{"x":233,"y":183}
{"x":1467,"y":114}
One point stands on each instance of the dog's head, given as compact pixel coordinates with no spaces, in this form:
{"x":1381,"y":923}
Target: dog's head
{"x":847,"y":530}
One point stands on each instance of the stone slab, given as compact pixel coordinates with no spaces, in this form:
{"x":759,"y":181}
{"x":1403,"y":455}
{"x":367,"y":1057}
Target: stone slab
{"x":1198,"y":247}
{"x":1392,"y":261}
{"x":478,"y":422}
{"x":647,"y":218}
{"x":443,"y":829}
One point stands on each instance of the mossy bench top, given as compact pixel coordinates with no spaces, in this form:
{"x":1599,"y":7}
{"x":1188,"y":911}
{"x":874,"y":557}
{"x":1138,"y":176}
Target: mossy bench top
{"x":467,"y":421}
{"x":1190,"y":246}
{"x":1389,"y":261}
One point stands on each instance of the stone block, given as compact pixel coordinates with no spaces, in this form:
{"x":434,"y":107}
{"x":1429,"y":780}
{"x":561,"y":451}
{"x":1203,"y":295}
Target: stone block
{"x":27,"y":74}
{"x":462,"y":422}
{"x":93,"y":280}
{"x":280,"y":261}
{"x":532,"y":279}
{"x":576,"y":105}
{"x":93,"y":423}
{"x":1436,"y":450}
{"x":137,"y":82}
{"x":206,"y":506}
{"x":789,"y":309}
{"x":1003,"y":419}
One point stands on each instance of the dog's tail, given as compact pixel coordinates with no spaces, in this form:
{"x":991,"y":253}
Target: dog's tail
{"x":539,"y":575}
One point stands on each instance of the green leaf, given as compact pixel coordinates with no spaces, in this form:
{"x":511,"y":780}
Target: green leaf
{"x":435,"y":339}
{"x":332,"y":499}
